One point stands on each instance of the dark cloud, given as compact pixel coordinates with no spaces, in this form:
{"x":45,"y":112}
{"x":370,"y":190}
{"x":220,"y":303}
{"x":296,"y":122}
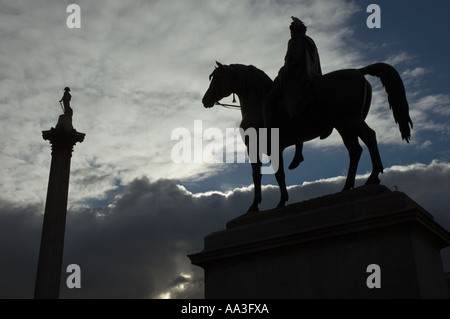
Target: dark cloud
{"x":20,"y":233}
{"x":137,"y":247}
{"x":138,"y":244}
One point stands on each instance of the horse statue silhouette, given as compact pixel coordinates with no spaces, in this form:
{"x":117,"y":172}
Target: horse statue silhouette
{"x":342,"y":102}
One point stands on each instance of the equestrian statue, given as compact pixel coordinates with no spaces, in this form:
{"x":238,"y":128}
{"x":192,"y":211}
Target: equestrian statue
{"x":304,"y":104}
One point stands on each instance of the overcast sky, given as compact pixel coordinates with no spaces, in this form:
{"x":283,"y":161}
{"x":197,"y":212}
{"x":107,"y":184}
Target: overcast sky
{"x":137,"y":71}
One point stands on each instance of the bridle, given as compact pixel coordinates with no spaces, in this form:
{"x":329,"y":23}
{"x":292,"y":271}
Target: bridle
{"x":229,"y":106}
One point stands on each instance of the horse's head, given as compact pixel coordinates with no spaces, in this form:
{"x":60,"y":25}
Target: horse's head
{"x":220,"y":86}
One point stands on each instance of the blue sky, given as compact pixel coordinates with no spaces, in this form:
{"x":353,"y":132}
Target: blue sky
{"x":137,"y":71}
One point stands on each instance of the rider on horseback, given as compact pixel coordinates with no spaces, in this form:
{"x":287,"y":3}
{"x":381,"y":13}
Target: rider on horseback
{"x":293,"y":83}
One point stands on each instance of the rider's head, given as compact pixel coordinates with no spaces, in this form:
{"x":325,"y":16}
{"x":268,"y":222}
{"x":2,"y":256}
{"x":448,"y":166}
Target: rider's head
{"x":67,"y":89}
{"x":297,"y":26}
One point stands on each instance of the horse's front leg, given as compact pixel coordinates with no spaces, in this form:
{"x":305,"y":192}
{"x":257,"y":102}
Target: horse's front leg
{"x":256,"y":174}
{"x":298,"y":156}
{"x":278,"y":167}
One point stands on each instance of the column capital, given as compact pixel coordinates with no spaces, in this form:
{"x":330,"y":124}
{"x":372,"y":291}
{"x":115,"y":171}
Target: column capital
{"x":63,"y":135}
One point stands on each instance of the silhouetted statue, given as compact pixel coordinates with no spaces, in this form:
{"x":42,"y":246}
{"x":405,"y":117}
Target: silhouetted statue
{"x":293,"y":83}
{"x":341,"y":101}
{"x":66,"y":102}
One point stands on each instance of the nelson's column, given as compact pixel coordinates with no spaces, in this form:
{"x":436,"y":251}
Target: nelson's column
{"x":62,"y":138}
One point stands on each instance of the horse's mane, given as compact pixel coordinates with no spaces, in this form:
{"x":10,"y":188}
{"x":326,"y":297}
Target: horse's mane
{"x":252,"y":80}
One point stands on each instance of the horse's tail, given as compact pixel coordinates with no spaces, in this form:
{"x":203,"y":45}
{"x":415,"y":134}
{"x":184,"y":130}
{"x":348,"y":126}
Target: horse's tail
{"x":395,"y":90}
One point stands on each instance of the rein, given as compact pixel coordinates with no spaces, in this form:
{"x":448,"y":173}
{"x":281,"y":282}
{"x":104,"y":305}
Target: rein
{"x":229,"y":106}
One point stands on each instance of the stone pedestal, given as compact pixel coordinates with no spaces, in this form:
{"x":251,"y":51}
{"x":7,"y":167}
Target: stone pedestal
{"x":62,"y":139}
{"x":322,"y":248}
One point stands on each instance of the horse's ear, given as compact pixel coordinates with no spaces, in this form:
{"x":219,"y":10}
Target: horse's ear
{"x":219,"y":64}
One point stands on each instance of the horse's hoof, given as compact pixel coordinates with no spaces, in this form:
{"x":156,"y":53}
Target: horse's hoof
{"x":347,"y":188}
{"x":281,"y":204}
{"x":373,"y":181}
{"x":295,"y":163}
{"x":253,"y":209}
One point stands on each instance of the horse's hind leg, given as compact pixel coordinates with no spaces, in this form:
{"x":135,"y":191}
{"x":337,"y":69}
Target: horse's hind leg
{"x":256,"y":174}
{"x":350,"y":140}
{"x":280,"y":177}
{"x":368,"y":136}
